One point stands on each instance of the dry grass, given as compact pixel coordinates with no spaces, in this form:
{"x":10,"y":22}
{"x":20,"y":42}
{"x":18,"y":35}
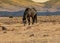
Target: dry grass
{"x":47,"y":30}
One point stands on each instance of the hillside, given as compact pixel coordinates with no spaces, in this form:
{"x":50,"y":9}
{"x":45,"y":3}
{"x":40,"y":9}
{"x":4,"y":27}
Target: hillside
{"x":55,"y":3}
{"x":16,"y":5}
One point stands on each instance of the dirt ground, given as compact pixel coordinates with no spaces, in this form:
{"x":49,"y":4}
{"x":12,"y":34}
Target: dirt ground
{"x":47,"y":30}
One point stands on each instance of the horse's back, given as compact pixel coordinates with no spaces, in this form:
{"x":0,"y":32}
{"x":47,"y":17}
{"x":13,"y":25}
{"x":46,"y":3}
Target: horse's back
{"x":30,"y":12}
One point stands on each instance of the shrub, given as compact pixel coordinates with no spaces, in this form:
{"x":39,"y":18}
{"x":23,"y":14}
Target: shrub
{"x":10,"y":16}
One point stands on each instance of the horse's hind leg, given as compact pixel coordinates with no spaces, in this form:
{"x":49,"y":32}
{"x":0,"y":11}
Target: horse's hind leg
{"x":35,"y":18}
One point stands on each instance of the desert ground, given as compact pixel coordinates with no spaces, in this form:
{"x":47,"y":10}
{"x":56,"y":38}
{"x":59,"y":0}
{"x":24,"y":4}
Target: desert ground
{"x":47,"y":30}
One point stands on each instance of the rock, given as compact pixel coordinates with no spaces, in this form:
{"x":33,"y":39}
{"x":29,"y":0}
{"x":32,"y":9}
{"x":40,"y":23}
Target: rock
{"x":4,"y":28}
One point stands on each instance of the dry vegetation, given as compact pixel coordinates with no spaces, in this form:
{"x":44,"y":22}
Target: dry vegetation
{"x":47,"y":30}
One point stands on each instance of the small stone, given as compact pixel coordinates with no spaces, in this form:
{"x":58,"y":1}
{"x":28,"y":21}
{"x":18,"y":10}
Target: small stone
{"x":4,"y":32}
{"x":45,"y":35}
{"x":3,"y":28}
{"x":31,"y":35}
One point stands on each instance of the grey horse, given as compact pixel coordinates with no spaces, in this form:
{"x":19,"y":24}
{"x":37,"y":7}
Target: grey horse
{"x":30,"y":12}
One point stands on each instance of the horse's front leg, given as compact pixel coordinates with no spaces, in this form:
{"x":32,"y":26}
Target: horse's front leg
{"x":32,"y":20}
{"x":28,"y":20}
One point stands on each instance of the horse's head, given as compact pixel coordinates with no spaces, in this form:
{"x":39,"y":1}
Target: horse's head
{"x":24,"y":20}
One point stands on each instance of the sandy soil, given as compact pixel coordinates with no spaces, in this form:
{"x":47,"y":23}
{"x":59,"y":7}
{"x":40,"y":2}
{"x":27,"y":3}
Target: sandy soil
{"x":47,"y":30}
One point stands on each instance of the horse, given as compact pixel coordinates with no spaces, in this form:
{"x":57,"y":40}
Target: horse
{"x":30,"y":12}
